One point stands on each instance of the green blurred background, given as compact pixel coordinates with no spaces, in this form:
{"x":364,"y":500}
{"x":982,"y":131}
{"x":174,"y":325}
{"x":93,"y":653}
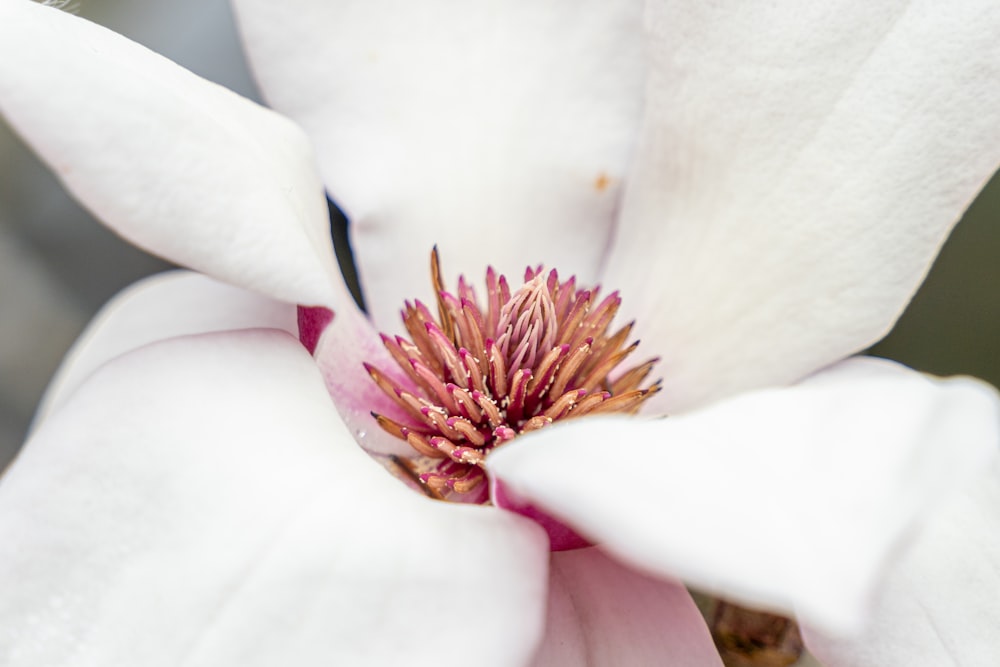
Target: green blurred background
{"x":953,"y":323}
{"x":58,"y":266}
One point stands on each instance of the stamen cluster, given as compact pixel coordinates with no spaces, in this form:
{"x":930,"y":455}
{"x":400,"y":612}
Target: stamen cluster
{"x":484,"y":372}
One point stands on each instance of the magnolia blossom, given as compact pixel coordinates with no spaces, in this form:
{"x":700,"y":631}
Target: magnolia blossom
{"x":766,"y":185}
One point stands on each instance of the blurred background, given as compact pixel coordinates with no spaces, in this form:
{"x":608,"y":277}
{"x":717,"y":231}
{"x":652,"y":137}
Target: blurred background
{"x":58,"y":265}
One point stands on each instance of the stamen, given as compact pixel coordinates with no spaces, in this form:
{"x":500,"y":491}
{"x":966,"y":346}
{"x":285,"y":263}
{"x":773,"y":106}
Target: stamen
{"x":535,"y":423}
{"x":389,"y":389}
{"x":438,"y":419}
{"x":600,"y":373}
{"x":466,"y":404}
{"x":390,"y":426}
{"x":564,"y":404}
{"x":468,"y":431}
{"x":498,"y":369}
{"x":489,"y":408}
{"x":628,"y":402}
{"x":467,"y":482}
{"x":579,"y":310}
{"x":633,"y":377}
{"x":518,"y":392}
{"x":414,"y":319}
{"x":447,"y":324}
{"x":493,"y":305}
{"x":569,"y":368}
{"x":409,"y":471}
{"x":414,"y":405}
{"x":546,"y":371}
{"x":565,"y":298}
{"x":606,"y":347}
{"x":434,"y":385}
{"x":421,"y":444}
{"x":474,"y":368}
{"x":446,"y":352}
{"x":589,"y":404}
{"x":471,"y":325}
{"x":475,"y":377}
{"x":466,"y":292}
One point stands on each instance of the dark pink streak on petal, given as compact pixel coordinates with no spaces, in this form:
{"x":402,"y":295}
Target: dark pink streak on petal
{"x":313,"y":320}
{"x":561,"y":536}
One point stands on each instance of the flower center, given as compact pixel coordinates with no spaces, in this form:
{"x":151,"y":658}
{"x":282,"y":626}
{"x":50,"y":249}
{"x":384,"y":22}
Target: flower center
{"x":484,"y":372}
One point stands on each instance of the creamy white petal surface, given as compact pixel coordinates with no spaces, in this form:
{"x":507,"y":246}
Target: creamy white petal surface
{"x":939,"y":605}
{"x":160,"y":307}
{"x":603,"y":613}
{"x":791,"y":499}
{"x":175,"y":164}
{"x":199,"y":502}
{"x":500,"y":131}
{"x":799,"y":166}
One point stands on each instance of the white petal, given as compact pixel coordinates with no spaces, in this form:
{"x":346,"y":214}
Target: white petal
{"x":170,"y":304}
{"x":792,"y":499}
{"x":501,"y":132}
{"x":602,"y":613}
{"x":175,"y":164}
{"x":799,"y":168}
{"x":198,"y":502}
{"x":940,"y":603}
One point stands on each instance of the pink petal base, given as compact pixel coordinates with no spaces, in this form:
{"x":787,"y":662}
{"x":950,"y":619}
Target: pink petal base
{"x":340,"y":345}
{"x":561,"y":536}
{"x":312,"y":322}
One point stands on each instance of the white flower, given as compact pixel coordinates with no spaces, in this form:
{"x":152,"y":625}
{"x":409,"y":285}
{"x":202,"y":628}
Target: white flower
{"x":785,"y":174}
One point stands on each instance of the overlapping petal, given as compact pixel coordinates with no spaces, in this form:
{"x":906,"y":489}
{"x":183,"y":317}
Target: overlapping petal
{"x":603,"y":613}
{"x":501,"y":132}
{"x":165,"y":306}
{"x":175,"y":164}
{"x":222,"y":515}
{"x":799,"y":166}
{"x":791,"y":499}
{"x":939,"y":603}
